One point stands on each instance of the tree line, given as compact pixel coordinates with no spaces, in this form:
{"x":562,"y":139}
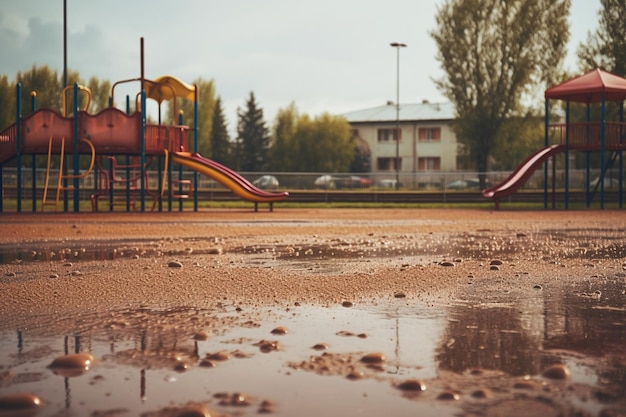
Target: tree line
{"x":295,"y":142}
{"x":496,"y":56}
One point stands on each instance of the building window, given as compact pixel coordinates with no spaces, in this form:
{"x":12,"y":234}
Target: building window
{"x":354,"y":133}
{"x":388,"y":164}
{"x":429,"y":134}
{"x":429,"y":164}
{"x":388,"y":135}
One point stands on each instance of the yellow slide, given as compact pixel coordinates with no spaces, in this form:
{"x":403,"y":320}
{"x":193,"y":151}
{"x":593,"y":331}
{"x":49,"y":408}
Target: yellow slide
{"x":228,"y":178}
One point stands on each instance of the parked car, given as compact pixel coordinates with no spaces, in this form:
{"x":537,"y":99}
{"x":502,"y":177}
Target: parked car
{"x":388,"y":183}
{"x":354,"y":181}
{"x":266,"y":182}
{"x":325,"y":181}
{"x":330,"y":182}
{"x":609,"y":182}
{"x":464,"y":184}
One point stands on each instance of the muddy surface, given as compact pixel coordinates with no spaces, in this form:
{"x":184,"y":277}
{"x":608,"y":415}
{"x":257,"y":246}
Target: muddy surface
{"x":310,"y":312}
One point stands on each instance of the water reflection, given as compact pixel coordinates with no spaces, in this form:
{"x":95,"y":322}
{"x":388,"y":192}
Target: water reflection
{"x":489,"y":337}
{"x":582,"y":326}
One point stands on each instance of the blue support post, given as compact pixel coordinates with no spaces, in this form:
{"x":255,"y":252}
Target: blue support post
{"x":180,"y":169}
{"x":195,"y":147}
{"x":18,"y":129}
{"x":142,"y":169}
{"x":567,"y":121}
{"x":33,"y":107}
{"x":602,"y":162}
{"x":546,"y":141}
{"x":127,"y":163}
{"x":621,"y":156}
{"x":588,"y":160}
{"x":76,"y":154}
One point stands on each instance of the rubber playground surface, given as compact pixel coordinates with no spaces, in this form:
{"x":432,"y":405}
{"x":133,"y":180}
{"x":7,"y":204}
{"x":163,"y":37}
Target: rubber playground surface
{"x":314,"y":312}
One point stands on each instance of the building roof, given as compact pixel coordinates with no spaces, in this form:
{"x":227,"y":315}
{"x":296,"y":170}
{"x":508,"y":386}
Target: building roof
{"x":592,"y":87}
{"x":408,"y":113}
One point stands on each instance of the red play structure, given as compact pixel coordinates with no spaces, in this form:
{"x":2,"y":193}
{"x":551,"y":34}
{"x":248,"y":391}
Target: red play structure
{"x":594,"y":87}
{"x":117,"y":148}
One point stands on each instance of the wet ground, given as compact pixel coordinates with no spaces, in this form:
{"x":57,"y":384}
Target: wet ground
{"x":510,"y":340}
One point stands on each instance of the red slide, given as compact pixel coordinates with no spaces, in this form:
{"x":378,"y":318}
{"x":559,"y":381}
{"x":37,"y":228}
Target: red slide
{"x":521,"y":174}
{"x":229,"y":178}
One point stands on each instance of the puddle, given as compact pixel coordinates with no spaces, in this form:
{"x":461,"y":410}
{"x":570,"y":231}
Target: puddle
{"x":90,"y":251}
{"x":484,"y":354}
{"x":166,"y":362}
{"x":566,"y":244}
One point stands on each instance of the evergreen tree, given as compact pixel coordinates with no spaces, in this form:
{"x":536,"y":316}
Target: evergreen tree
{"x":362,"y":161}
{"x":220,"y":142}
{"x":253,"y":137}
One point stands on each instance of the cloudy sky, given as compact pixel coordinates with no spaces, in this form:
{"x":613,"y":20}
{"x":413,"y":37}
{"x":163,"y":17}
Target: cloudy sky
{"x":327,"y":55}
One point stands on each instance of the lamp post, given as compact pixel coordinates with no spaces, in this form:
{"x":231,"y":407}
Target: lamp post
{"x":397,"y":45}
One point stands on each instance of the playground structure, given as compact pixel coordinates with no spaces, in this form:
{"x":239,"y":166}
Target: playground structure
{"x":121,"y":146}
{"x":602,"y":137}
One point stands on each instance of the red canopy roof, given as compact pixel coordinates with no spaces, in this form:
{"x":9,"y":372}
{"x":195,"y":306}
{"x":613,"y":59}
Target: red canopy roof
{"x":589,"y":88}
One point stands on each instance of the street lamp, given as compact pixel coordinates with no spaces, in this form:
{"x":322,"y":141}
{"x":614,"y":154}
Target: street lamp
{"x":397,"y":45}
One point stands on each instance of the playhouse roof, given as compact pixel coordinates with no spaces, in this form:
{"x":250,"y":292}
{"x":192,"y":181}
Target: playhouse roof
{"x":590,"y":88}
{"x":168,"y":87}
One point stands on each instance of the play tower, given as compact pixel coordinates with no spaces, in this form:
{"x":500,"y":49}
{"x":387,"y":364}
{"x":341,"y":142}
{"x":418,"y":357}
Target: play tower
{"x":604,"y":139}
{"x":117,"y":149}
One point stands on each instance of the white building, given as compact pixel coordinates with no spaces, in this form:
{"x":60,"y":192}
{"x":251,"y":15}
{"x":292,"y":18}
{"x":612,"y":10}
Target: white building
{"x":427,"y":141}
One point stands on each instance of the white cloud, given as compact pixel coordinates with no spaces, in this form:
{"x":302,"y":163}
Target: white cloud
{"x":326,"y":55}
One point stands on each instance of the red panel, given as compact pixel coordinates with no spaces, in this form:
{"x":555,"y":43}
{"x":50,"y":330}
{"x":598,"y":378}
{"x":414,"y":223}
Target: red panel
{"x":112,"y":131}
{"x":39,"y":127}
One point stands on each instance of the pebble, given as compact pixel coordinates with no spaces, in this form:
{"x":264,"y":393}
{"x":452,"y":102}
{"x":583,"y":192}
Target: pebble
{"x":218,"y":356}
{"x":376,"y":357}
{"x":201,"y":335}
{"x":447,"y":263}
{"x":354,"y":375}
{"x":74,"y":364}
{"x":266,"y":346}
{"x":181,"y":366}
{"x":481,"y":393}
{"x":347,"y":304}
{"x":448,"y":396}
{"x":174,"y":264}
{"x":280,"y":330}
{"x":320,"y":346}
{"x":412,"y":385}
{"x":207,"y":363}
{"x":557,"y":371}
{"x":19,"y":402}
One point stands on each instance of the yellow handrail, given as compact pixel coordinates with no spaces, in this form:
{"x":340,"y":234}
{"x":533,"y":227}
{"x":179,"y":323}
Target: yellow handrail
{"x":60,"y":176}
{"x":163,"y":181}
{"x":81,"y":88}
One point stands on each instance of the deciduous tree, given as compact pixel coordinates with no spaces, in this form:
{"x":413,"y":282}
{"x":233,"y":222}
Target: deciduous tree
{"x":7,"y":102}
{"x":606,"y":47}
{"x":284,"y":149}
{"x":494,"y":54}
